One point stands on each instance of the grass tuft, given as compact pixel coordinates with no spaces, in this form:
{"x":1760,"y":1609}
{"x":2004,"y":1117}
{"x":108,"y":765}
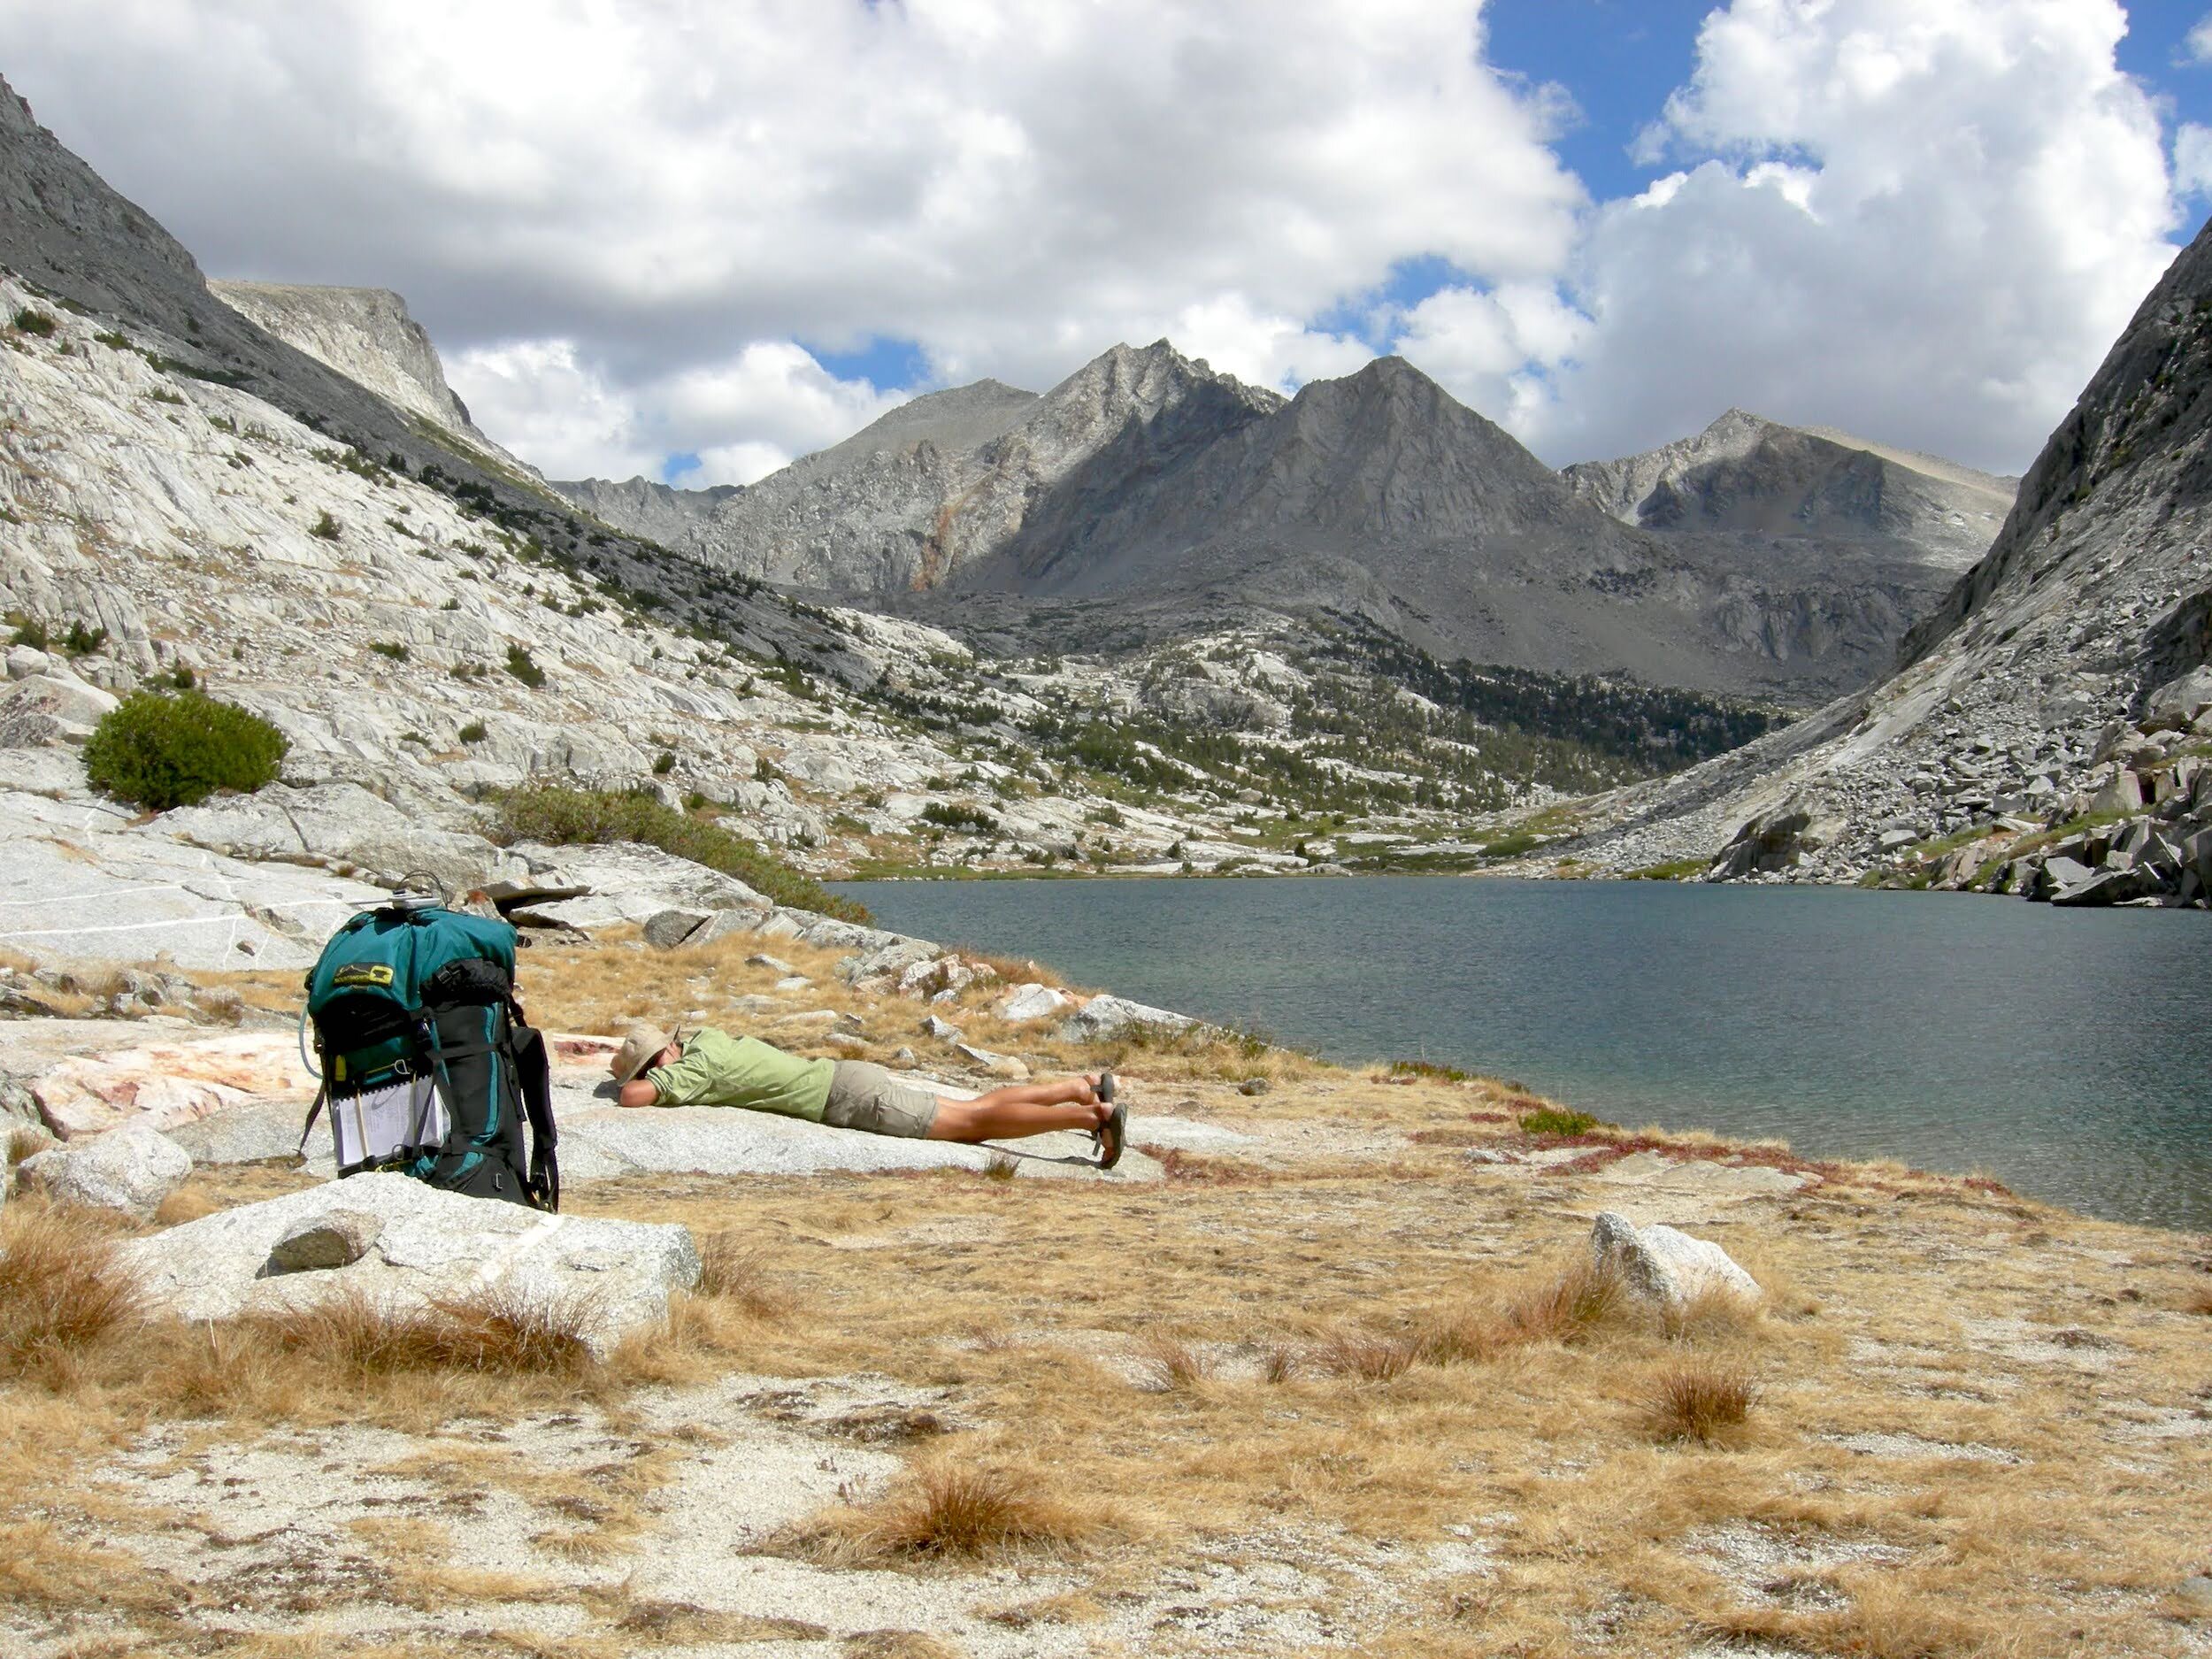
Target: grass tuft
{"x":1552,"y":1120}
{"x":1366,"y":1356}
{"x":999,"y":1167}
{"x":565,"y":817}
{"x":500,"y":1331}
{"x":62,"y":1289}
{"x":1169,"y":1363}
{"x":737,"y":1273}
{"x":1695,"y":1399}
{"x":1582,"y":1296}
{"x":944,"y":1512}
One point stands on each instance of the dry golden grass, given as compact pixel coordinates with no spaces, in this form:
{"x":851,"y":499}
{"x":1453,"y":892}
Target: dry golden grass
{"x":1567,"y":1306}
{"x":1171,"y":1361}
{"x":945,"y":1511}
{"x":63,"y":1292}
{"x":738,"y":1273}
{"x":1691,"y":1398}
{"x":1366,"y":1356}
{"x":356,"y":1337}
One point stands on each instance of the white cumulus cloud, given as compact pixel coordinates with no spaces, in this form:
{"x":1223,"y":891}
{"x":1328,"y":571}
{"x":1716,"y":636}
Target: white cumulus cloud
{"x":1013,"y":185}
{"x":1923,"y":221}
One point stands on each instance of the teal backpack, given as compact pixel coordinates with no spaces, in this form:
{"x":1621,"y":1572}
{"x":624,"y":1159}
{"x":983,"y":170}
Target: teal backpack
{"x":427,"y":1065}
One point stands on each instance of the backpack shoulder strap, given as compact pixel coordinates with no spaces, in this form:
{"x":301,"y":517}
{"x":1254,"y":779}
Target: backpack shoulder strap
{"x":534,"y":1073}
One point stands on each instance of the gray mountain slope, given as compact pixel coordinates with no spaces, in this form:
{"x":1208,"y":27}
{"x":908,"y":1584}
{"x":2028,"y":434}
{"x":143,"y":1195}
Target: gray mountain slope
{"x":1381,"y":496}
{"x":950,"y":479}
{"x":63,"y":228}
{"x":2015,"y":694}
{"x":1749,"y":476}
{"x":645,"y":506}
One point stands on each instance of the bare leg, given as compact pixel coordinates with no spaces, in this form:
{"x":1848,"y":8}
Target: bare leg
{"x":1020,"y":1109}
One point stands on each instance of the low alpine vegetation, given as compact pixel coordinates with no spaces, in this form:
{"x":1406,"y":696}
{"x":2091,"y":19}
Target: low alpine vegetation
{"x":33,"y":322}
{"x":169,"y":749}
{"x":1550,"y":1120}
{"x":524,"y":666}
{"x":577,"y":817}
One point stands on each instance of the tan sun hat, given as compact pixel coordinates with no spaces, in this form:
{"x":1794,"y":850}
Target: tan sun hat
{"x":639,"y":1044}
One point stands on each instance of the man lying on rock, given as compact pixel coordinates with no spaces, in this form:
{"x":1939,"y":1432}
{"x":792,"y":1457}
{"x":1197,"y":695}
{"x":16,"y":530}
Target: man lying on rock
{"x":711,"y":1068}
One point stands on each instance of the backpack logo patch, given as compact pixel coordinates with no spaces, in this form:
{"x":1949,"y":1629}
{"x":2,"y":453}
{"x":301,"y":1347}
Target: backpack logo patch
{"x":360,"y":973}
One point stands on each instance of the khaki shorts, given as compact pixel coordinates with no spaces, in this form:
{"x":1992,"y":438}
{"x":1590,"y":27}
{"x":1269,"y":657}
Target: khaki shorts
{"x":865,"y":1096}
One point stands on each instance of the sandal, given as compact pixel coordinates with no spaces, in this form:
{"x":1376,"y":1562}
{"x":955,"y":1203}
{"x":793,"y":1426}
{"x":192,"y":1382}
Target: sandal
{"x":1113,"y":1133}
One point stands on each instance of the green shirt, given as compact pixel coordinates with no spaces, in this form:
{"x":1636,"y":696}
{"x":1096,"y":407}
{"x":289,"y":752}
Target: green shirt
{"x":716,"y":1069}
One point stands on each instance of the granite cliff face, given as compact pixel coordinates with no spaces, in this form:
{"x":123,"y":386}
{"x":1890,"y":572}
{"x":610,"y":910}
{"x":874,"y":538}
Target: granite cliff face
{"x":2047,"y":732}
{"x":367,"y":337}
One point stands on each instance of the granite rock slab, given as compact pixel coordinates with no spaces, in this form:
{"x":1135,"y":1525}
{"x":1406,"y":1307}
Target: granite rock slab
{"x":424,"y":1246}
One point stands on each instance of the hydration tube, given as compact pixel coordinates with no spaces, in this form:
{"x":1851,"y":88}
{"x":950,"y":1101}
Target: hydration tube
{"x":313,"y":1068}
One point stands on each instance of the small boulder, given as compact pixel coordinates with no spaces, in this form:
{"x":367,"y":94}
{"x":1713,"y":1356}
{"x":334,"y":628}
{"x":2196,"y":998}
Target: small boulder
{"x":774,"y":965}
{"x":131,"y":1169}
{"x":936,"y":1026}
{"x":2123,"y":794}
{"x":1030,"y":1002}
{"x":337,"y":1238}
{"x":1253,"y":1086}
{"x":1657,"y":1263}
{"x":667,"y":929}
{"x":721,"y":924}
{"x":999,"y":1065}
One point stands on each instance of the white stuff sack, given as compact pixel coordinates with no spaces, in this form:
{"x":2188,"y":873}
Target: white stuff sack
{"x":373,"y":1126}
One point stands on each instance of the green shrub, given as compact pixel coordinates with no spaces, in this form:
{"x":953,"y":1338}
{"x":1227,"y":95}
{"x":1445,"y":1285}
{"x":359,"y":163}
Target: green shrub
{"x":474,"y":732}
{"x":1550,"y":1121}
{"x":31,"y":631}
{"x":665,"y":763}
{"x":524,"y":667}
{"x":164,"y":749}
{"x":326,"y":527}
{"x":31,"y":322}
{"x":392,"y":648}
{"x":958,"y":815}
{"x":550,"y":813}
{"x":82,"y":640}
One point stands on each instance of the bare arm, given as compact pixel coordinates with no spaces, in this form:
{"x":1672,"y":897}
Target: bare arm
{"x":638,"y":1092}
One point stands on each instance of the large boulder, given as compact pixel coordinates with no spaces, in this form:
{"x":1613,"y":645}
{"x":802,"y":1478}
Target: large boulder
{"x":1109,"y":1018}
{"x":1658,"y":1265}
{"x":172,"y":1082}
{"x":1030,"y":1002}
{"x":2181,"y":700}
{"x":1776,"y":841}
{"x":130,"y":1169}
{"x":415,"y":1246}
{"x":51,"y":706}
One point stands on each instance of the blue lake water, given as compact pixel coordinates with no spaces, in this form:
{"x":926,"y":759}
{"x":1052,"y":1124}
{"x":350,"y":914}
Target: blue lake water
{"x":2067,"y":1052}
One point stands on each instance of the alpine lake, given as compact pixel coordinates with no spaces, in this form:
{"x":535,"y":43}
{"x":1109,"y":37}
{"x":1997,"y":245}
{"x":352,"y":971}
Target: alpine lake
{"x":2067,"y":1053}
